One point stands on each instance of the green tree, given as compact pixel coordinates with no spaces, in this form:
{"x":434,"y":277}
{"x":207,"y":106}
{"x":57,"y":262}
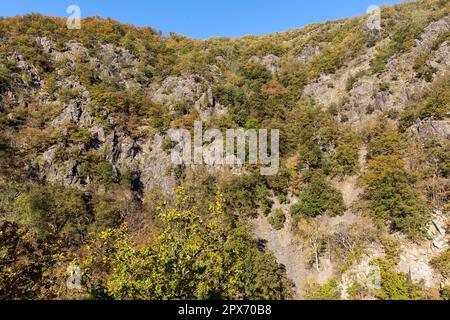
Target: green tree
{"x":278,"y":219}
{"x":105,"y":172}
{"x":390,"y":191}
{"x":50,"y":211}
{"x":192,"y":258}
{"x":346,"y":158}
{"x":318,"y":198}
{"x":327,"y":291}
{"x":394,"y":285}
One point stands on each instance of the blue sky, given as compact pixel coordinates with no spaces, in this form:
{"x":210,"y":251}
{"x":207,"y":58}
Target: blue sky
{"x":203,"y":18}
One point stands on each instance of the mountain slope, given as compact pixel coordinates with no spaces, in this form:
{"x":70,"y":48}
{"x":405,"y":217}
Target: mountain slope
{"x":84,"y":153}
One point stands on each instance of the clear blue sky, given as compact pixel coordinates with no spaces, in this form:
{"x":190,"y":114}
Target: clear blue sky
{"x":203,"y":18}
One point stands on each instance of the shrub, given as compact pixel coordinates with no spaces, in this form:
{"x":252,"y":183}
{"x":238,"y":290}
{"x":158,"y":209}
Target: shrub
{"x":391,"y":192}
{"x":445,"y":293}
{"x":319,"y":198}
{"x":262,"y":198}
{"x":239,"y":195}
{"x":107,"y":213}
{"x":440,"y":40}
{"x":328,"y":291}
{"x":105,"y":173}
{"x":168,"y":145}
{"x":5,"y":77}
{"x":394,"y":285}
{"x":437,"y":104}
{"x":255,"y":71}
{"x":346,"y":157}
{"x":52,"y":211}
{"x":66,"y":95}
{"x":351,"y":80}
{"x":344,"y":118}
{"x":278,"y":219}
{"x":422,"y":68}
{"x":441,"y":263}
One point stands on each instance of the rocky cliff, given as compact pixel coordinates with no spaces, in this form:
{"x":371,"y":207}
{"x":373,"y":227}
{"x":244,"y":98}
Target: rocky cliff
{"x":90,"y":109}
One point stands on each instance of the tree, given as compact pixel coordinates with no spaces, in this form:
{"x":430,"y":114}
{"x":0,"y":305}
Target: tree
{"x":318,"y":198}
{"x":328,"y":291}
{"x":105,"y":172}
{"x":315,"y":234}
{"x":53,"y":211}
{"x":346,"y":158}
{"x":26,"y":265}
{"x":394,"y":285}
{"x":390,"y":191}
{"x":278,"y":219}
{"x":194,"y":257}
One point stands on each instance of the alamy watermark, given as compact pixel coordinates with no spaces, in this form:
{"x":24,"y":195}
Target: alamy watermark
{"x":74,"y":20}
{"x":238,"y":148}
{"x":374,"y":277}
{"x":374,"y":20}
{"x":73,"y":281}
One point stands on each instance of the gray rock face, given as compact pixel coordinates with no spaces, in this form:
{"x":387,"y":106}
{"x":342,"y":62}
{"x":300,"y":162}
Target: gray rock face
{"x":308,"y":52}
{"x":144,"y":158}
{"x":61,"y":173}
{"x":398,"y":75}
{"x":29,"y":74}
{"x":429,"y":129}
{"x":193,"y":90}
{"x":179,"y":89}
{"x":114,"y":64}
{"x":431,"y":32}
{"x":415,"y":258}
{"x":76,"y":111}
{"x":271,"y":62}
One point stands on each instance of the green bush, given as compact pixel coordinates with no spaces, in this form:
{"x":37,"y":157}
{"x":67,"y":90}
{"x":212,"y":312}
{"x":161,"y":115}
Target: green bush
{"x":441,"y":263}
{"x":319,"y":198}
{"x":255,"y":71}
{"x":445,"y":293}
{"x":278,"y":219}
{"x":105,"y":174}
{"x":437,"y":104}
{"x":346,"y":157}
{"x":168,"y":145}
{"x":440,"y":40}
{"x":66,"y":95}
{"x":5,"y":77}
{"x":262,"y":198}
{"x":328,"y":291}
{"x":107,"y":213}
{"x":391,"y":192}
{"x":394,"y":285}
{"x":239,"y":195}
{"x":50,"y":211}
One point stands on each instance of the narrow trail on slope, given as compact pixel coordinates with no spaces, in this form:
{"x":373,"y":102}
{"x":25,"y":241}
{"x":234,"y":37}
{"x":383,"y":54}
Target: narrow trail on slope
{"x":285,"y":249}
{"x":348,"y":185}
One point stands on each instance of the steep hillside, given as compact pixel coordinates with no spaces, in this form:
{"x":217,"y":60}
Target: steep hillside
{"x":358,"y":210}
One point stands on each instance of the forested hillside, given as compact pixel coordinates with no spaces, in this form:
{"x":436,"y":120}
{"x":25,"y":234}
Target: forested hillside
{"x":86,"y":177}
